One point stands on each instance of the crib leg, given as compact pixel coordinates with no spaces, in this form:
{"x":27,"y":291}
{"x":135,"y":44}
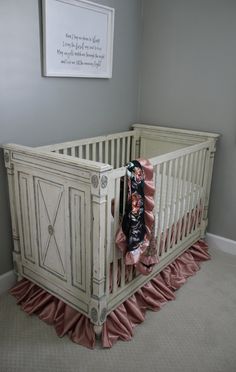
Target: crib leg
{"x":98,"y":331}
{"x":17,"y":265}
{"x":19,"y":277}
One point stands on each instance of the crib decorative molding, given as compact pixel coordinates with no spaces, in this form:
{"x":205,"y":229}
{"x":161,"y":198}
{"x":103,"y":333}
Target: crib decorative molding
{"x":66,"y":202}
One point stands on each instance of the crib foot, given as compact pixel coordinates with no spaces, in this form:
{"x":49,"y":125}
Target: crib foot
{"x":98,"y":331}
{"x":19,"y":277}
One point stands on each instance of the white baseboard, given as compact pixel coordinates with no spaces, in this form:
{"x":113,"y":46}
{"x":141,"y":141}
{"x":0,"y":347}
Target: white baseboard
{"x":221,"y":243}
{"x":7,"y":280}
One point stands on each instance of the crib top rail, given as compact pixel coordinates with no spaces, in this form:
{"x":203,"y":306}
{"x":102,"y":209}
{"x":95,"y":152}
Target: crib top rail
{"x":120,"y":172}
{"x":86,"y":141}
{"x":192,"y":135}
{"x":36,"y":156}
{"x":178,"y":153}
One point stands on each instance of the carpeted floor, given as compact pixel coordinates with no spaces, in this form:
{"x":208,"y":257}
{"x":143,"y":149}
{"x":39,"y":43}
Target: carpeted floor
{"x":194,"y":333}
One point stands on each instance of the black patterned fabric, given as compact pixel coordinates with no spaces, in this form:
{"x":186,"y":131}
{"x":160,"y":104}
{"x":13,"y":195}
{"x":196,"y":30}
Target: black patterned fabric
{"x":133,"y":223}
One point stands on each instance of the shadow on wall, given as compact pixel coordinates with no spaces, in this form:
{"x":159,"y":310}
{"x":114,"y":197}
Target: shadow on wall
{"x":6,"y":243}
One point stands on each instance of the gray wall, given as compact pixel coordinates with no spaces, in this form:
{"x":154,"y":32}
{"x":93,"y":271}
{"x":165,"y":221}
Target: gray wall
{"x":189,"y":81}
{"x":36,"y":110}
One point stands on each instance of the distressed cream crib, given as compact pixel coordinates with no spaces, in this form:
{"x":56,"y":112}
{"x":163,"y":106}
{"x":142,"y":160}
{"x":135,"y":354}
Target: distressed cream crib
{"x":63,"y":228}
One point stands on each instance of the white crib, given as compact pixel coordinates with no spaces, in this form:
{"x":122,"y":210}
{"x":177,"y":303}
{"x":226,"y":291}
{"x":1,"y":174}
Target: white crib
{"x":63,"y":228}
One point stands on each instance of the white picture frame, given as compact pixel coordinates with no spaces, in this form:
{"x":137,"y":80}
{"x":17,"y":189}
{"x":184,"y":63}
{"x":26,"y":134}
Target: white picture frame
{"x":77,"y":39}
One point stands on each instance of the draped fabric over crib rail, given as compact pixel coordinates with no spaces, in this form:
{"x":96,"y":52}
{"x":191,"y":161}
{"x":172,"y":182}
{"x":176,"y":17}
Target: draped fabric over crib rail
{"x":120,"y":323}
{"x":134,"y":236}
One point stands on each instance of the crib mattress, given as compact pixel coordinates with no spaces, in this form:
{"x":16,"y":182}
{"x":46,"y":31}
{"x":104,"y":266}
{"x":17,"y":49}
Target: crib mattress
{"x":174,"y":199}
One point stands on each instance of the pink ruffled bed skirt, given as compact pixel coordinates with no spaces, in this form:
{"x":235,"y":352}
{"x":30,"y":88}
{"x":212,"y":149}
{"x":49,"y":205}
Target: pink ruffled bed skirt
{"x":121,"y":322}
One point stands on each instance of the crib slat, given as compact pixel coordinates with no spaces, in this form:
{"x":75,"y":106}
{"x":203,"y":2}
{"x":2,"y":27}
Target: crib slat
{"x":117,"y":152}
{"x":100,"y":152}
{"x":124,"y":194}
{"x":117,"y":203}
{"x":186,"y":191}
{"x":156,"y":197}
{"x":202,"y":170}
{"x":199,"y":187}
{"x":200,"y":176}
{"x":188,"y":197}
{"x":124,"y":198}
{"x":116,"y":226}
{"x":76,"y":151}
{"x":123,"y":140}
{"x":128,"y":150}
{"x":197,"y":191}
{"x":184,"y":200}
{"x":112,"y":152}
{"x":73,"y":151}
{"x":204,"y":182}
{"x":80,"y":151}
{"x":123,"y":268}
{"x":182,"y":205}
{"x":160,"y":219}
{"x":193,"y":193}
{"x":110,"y":233}
{"x":169,"y":184}
{"x":206,"y":185}
{"x":130,"y":275}
{"x":172,"y":204}
{"x":187,"y":194}
{"x":178,"y":199}
{"x":133,"y":144}
{"x":94,"y":151}
{"x":106,"y":152}
{"x":87,"y":152}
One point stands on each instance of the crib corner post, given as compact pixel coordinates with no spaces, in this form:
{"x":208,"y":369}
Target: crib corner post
{"x":207,"y":185}
{"x":11,"y":174}
{"x":99,"y":193}
{"x":98,"y":331}
{"x":135,"y":150}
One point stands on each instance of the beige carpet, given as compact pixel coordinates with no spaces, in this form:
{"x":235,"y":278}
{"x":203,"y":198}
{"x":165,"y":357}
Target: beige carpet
{"x":194,"y":333}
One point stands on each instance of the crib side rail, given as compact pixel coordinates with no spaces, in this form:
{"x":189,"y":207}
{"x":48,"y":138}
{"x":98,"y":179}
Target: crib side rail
{"x":181,"y":187}
{"x":174,"y":135}
{"x":115,"y":149}
{"x":181,"y":180}
{"x":57,"y":206}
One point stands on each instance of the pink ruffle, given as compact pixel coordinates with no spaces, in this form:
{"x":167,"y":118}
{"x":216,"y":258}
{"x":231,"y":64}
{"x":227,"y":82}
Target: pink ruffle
{"x":121,"y":322}
{"x":64,"y":318}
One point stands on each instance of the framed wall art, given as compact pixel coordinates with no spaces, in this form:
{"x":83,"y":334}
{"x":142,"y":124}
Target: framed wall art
{"x":77,"y":39}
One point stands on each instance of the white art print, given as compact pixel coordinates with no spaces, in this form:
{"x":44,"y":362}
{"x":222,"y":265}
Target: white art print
{"x":77,"y":38}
